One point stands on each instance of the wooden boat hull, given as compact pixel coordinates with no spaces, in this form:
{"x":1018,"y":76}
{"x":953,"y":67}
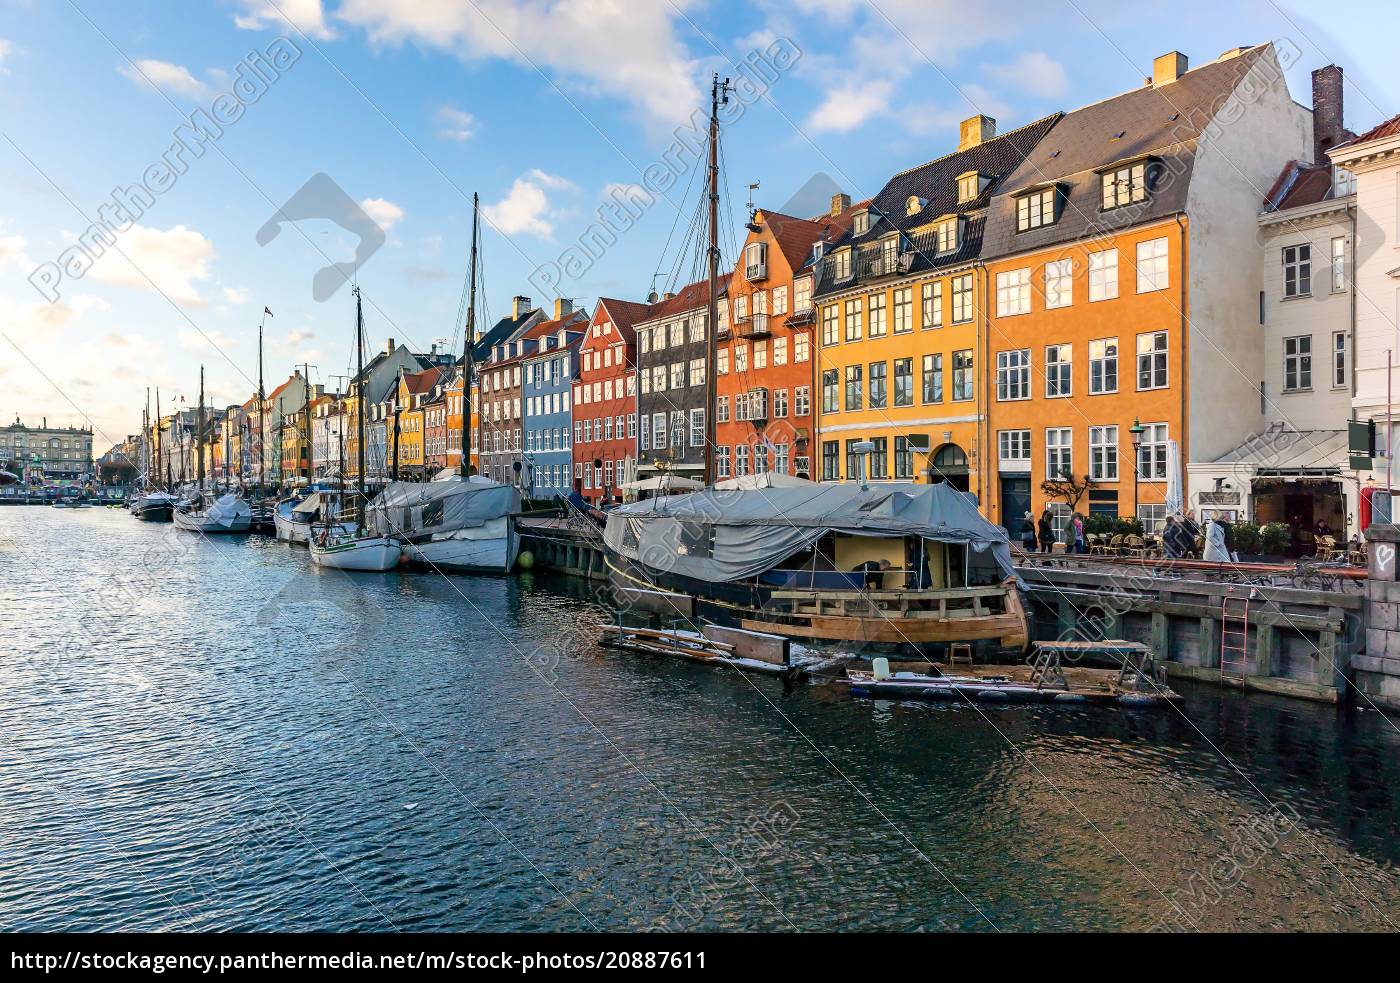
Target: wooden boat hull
{"x":895,"y":619}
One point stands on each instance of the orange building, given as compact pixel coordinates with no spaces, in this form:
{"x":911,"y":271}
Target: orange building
{"x":764,"y":413}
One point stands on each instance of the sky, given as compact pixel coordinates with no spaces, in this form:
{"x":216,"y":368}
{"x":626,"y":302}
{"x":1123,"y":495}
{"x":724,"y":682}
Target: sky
{"x":371,"y":123}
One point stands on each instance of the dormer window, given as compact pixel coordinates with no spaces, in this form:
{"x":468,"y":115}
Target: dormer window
{"x":914,"y":205}
{"x":949,"y":234}
{"x":1125,"y":185}
{"x":756,"y":260}
{"x":860,"y":223}
{"x":818,"y":249}
{"x":841,"y":264}
{"x":1037,"y":208}
{"x":970,"y":185}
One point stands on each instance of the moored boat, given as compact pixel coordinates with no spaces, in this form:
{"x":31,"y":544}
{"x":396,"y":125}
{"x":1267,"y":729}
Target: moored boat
{"x":905,"y":566}
{"x":227,"y":513}
{"x":451,"y":523}
{"x":155,"y":506}
{"x":294,"y":517}
{"x":367,"y":554}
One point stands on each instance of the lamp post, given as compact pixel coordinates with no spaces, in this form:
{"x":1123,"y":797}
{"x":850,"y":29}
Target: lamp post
{"x":1137,"y":430}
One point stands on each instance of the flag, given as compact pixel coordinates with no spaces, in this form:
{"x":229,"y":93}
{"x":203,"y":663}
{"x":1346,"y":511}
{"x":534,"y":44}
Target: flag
{"x":268,"y":312}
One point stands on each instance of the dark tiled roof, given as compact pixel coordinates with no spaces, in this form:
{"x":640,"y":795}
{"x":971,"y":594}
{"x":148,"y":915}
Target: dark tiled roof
{"x":936,"y":183}
{"x":576,"y":321}
{"x":1161,"y":122}
{"x":1299,"y":184}
{"x":500,"y":332}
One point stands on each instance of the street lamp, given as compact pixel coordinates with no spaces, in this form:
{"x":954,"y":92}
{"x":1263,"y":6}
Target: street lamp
{"x":1137,"y":430}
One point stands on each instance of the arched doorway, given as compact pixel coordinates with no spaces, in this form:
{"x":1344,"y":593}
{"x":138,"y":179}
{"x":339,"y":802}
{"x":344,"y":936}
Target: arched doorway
{"x":948,"y":463}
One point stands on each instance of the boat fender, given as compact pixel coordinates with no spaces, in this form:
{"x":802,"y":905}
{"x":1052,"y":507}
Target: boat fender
{"x":880,"y":668}
{"x":525,"y":560}
{"x":937,"y":693}
{"x":1137,"y":699}
{"x":1068,"y":698}
{"x":992,"y":696}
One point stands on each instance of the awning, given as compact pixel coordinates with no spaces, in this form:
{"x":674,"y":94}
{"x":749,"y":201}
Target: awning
{"x":1280,"y":452}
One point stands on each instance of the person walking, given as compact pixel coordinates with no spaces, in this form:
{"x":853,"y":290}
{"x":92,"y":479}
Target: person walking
{"x":1046,"y":529}
{"x":1077,"y":524}
{"x":1028,"y":537}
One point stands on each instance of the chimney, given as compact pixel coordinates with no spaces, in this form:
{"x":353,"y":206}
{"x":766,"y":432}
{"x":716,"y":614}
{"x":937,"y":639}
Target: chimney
{"x":839,"y":203}
{"x":976,"y":131}
{"x":1328,"y":130}
{"x":519,"y":306}
{"x":1167,"y":68}
{"x":389,"y":347}
{"x":563,"y":307}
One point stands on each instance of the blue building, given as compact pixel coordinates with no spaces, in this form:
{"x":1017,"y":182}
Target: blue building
{"x":546,"y":389}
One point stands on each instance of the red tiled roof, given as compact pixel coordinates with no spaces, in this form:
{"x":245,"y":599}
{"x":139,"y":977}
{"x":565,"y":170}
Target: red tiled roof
{"x":624,"y":313}
{"x":1389,"y":128}
{"x":546,"y":328}
{"x":1299,"y":183}
{"x":421,"y":382}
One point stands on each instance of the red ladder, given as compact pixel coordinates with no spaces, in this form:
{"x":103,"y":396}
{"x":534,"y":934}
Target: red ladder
{"x":1234,"y":634}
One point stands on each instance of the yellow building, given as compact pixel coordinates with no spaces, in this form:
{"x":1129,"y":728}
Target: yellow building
{"x":413,"y":391}
{"x":899,"y":319}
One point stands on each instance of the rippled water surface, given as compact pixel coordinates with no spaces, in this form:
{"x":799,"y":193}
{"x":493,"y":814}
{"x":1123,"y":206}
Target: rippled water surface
{"x":211,"y":734}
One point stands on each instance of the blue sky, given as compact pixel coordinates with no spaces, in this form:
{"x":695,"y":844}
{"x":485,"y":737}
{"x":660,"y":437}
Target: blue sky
{"x":541,"y":107}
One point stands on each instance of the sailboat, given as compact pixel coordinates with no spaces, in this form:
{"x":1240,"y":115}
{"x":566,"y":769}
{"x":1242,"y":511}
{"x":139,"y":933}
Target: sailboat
{"x":154,"y":504}
{"x":336,"y":547}
{"x":206,"y":512}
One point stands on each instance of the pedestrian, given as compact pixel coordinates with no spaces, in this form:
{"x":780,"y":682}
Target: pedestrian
{"x":1046,"y":530}
{"x":1028,"y":538}
{"x":1174,"y":539}
{"x":1077,"y":524}
{"x":872,"y":573}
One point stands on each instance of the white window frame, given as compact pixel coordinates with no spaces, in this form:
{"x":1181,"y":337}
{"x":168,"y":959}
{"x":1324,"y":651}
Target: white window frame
{"x":1014,"y":292}
{"x":1297,"y":363}
{"x":1059,"y":453}
{"x":1152,"y":269}
{"x":1159,"y":360}
{"x":1059,"y":284}
{"x":1103,"y":275}
{"x":1013,"y":375}
{"x":1103,"y":452}
{"x":1059,"y":371}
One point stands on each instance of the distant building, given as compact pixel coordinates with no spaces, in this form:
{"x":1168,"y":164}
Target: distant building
{"x":51,"y":453}
{"x":605,"y":400}
{"x":546,"y":395}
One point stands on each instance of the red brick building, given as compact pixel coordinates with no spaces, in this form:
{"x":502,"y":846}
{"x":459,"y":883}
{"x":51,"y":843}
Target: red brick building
{"x":766,"y":358}
{"x":605,"y":400}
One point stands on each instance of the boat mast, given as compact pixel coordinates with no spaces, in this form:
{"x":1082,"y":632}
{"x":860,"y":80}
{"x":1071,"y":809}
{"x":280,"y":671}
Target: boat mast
{"x":160,"y":444}
{"x":146,"y":439}
{"x":467,"y":353}
{"x":719,"y":95}
{"x":199,"y":434}
{"x":306,"y":411}
{"x":262,"y":429}
{"x":360,"y":410}
{"x":396,"y":426}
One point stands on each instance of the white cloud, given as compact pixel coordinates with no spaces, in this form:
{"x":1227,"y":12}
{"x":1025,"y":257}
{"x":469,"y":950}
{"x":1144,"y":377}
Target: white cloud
{"x":14,"y":249}
{"x":1034,"y":72}
{"x":167,"y":261}
{"x":383,"y":211}
{"x":205,"y":340}
{"x":7,"y":48}
{"x":526,"y":207}
{"x":175,"y":79}
{"x":455,"y":124}
{"x":299,"y":335}
{"x":850,"y":105}
{"x":610,"y":47}
{"x":305,"y":15}
{"x":236,"y":295}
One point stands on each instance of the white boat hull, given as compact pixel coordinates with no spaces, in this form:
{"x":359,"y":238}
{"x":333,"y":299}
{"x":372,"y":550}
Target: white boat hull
{"x":300,"y":532}
{"x":205,"y":523}
{"x":374,"y":554}
{"x":490,"y":548}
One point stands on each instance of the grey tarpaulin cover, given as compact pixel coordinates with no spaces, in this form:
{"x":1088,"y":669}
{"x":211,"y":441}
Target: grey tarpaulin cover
{"x":754,"y":530}
{"x":411,"y":507}
{"x":308,"y":505}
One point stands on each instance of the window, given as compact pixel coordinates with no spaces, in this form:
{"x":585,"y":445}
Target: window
{"x":780,"y":403}
{"x":1153,"y":518}
{"x":722,"y":409}
{"x":962,"y":375}
{"x":1059,"y":365}
{"x":880,"y":459}
{"x":948,"y":235}
{"x":1125,"y":186}
{"x":1297,"y":270}
{"x":802,"y":401}
{"x":853,"y":319}
{"x":1013,"y":375}
{"x":903,"y":310}
{"x":1339,"y":359}
{"x":1152,"y":360}
{"x":877,"y":315}
{"x":1014,"y":446}
{"x":904,"y":382}
{"x":878,"y":385}
{"x":1059,"y":453}
{"x":841,"y":265}
{"x":969,"y":187}
{"x":1343,"y":182}
{"x":722,"y":461}
{"x":860,"y":223}
{"x":854,"y":395}
{"x":1103,"y":366}
{"x":678,"y":428}
{"x":801,"y":347}
{"x":831,"y":388}
{"x":831,"y":460}
{"x":1035,"y":209}
{"x":1152,"y":452}
{"x":1152,"y":265}
{"x":697,"y":427}
{"x":741,"y":358}
{"x":677,"y":334}
{"x":1013,"y":293}
{"x":853,"y":468}
{"x":1297,"y":363}
{"x":643,"y":441}
{"x":722,"y":361}
{"x":802,"y":296}
{"x":1103,"y":275}
{"x":1339,"y":264}
{"x":903,"y":458}
{"x":631,"y":424}
{"x":755,"y":259}
{"x":933,"y":379}
{"x":677,"y":375}
{"x":932,"y":305}
{"x":780,"y":349}
{"x":658,"y":431}
{"x":760,"y":355}
{"x":1103,"y":453}
{"x":962,"y":298}
{"x":1059,"y":283}
{"x":697,"y":371}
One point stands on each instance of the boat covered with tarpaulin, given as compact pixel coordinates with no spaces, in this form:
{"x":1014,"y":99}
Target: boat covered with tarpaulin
{"x":451,"y":523}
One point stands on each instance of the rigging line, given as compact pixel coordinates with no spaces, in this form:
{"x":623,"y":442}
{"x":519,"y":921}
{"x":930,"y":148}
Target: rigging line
{"x":665,"y":249}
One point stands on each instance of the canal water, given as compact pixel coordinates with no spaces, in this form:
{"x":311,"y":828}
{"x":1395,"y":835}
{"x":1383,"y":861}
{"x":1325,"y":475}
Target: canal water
{"x":212,"y":734}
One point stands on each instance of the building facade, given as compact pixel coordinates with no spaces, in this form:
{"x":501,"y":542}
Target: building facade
{"x":672,"y":349}
{"x":44,"y":453}
{"x":547,"y":401}
{"x":605,"y":402}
